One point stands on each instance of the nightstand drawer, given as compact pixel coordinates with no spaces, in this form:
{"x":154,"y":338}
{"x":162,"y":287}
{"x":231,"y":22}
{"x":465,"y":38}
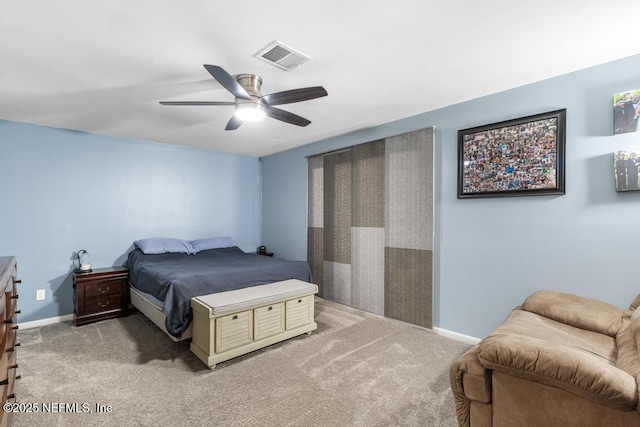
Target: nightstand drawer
{"x":107,"y":287}
{"x":105,"y":303}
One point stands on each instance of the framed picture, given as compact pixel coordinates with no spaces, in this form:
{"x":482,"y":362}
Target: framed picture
{"x":626,"y":109}
{"x":626,"y":166}
{"x":519,"y":157}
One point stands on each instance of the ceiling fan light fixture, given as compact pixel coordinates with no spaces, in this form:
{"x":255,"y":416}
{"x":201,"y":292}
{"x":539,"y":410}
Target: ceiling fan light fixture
{"x":250,"y":104}
{"x":250,"y":112}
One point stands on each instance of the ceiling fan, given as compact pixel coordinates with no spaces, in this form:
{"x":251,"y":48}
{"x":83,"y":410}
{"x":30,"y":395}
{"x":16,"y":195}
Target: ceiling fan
{"x":250,"y":104}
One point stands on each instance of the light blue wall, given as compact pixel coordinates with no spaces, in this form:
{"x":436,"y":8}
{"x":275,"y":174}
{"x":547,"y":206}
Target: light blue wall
{"x":492,"y":253}
{"x":63,"y":191}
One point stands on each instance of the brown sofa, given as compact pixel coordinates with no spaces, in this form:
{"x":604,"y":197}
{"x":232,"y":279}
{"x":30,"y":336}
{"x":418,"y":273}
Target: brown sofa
{"x":557,"y":360}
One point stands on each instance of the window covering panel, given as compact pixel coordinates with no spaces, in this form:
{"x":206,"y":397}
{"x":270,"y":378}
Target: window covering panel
{"x":370,"y":226}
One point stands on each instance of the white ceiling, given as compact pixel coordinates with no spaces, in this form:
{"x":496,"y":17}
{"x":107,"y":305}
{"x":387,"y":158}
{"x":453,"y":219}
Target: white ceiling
{"x":103,"y":66}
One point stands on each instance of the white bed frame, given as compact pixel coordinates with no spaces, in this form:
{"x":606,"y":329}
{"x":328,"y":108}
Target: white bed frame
{"x":150,"y":309}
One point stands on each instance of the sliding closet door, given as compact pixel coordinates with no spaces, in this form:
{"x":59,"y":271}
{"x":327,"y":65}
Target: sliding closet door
{"x":315,"y":221}
{"x":409,"y":228}
{"x":371,"y":224}
{"x":367,"y":226}
{"x":337,"y":227}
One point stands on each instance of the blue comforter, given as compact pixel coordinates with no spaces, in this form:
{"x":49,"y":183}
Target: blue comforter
{"x":176,"y":278}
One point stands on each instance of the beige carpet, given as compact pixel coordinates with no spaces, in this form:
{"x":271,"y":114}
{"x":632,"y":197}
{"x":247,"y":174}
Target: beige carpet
{"x":357,"y":369}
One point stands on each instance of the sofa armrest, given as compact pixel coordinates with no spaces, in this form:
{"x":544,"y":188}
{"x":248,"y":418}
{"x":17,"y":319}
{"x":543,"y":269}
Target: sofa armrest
{"x":470,"y":381}
{"x":576,"y":311}
{"x":572,"y":370}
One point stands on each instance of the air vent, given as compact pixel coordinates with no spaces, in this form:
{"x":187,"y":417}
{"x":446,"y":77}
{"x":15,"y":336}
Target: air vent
{"x":282,"y":56}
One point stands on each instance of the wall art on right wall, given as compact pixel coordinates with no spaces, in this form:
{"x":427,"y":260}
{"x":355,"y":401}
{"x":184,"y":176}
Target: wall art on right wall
{"x":626,"y":165}
{"x":518,"y":157}
{"x":626,"y":110}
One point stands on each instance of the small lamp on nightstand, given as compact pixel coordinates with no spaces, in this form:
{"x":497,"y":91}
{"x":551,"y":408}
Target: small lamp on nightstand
{"x":82,"y":263}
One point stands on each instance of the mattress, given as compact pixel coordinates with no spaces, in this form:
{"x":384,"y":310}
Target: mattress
{"x":174,"y":278}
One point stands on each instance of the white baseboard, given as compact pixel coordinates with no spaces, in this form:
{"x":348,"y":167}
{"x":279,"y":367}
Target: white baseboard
{"x":69,"y":317}
{"x":456,"y":336}
{"x":43,"y":322}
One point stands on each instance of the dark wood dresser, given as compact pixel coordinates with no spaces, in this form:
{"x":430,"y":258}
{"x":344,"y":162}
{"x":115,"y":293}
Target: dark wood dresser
{"x":100,"y":294}
{"x":8,"y":333}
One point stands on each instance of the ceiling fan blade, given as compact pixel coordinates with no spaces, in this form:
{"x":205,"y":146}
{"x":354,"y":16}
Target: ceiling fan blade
{"x":285,"y":116}
{"x":294,"y":95}
{"x":227,"y":81}
{"x":196,"y":103}
{"x":233,"y":123}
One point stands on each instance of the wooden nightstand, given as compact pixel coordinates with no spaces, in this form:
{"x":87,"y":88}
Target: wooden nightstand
{"x":100,"y":294}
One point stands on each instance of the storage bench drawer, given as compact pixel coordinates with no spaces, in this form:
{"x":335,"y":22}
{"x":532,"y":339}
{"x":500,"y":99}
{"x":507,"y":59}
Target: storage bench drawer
{"x":299,"y":312}
{"x":234,"y":330}
{"x":268,"y":321}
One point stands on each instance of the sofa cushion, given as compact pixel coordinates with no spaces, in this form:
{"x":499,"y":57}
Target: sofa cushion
{"x":528,"y":324}
{"x":577,"y":311}
{"x":575,"y":371}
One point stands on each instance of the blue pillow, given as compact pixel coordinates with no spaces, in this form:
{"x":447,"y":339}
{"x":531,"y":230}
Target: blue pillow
{"x":212,"y":243}
{"x":157,"y":245}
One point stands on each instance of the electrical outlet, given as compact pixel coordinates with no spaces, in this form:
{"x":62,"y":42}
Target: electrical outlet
{"x":39,"y":294}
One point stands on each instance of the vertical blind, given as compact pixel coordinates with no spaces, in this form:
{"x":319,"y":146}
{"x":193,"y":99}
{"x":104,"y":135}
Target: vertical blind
{"x":370,"y":226}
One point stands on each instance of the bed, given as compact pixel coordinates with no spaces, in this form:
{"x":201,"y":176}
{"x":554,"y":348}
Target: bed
{"x":162,"y":284}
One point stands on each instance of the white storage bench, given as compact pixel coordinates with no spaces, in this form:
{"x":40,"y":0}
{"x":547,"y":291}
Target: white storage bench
{"x":229,"y":324}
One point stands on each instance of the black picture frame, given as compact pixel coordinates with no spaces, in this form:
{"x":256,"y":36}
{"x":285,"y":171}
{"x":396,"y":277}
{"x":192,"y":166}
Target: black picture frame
{"x":519,"y":157}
